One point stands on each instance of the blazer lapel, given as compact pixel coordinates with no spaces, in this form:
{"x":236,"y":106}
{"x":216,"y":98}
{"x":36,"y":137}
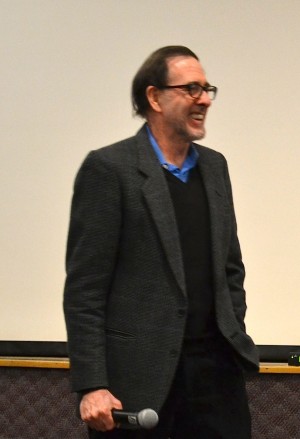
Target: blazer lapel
{"x":212,"y":181}
{"x":156,"y":193}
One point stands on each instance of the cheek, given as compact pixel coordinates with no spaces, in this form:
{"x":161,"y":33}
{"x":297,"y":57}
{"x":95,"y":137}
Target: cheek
{"x":180,"y":112}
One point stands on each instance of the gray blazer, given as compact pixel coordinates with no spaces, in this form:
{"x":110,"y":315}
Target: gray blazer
{"x":125,"y":299}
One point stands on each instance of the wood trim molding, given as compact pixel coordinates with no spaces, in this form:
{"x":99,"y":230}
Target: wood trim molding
{"x":278,"y":368}
{"x":39,"y":362}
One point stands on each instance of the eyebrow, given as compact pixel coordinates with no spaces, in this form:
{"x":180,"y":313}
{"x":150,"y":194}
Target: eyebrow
{"x":206,"y":84}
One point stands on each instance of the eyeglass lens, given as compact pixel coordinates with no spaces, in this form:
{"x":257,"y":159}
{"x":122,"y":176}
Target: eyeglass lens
{"x":196,"y":90}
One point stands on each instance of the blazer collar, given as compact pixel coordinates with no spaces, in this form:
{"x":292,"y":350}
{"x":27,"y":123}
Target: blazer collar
{"x":157,"y":196}
{"x":214,"y":187}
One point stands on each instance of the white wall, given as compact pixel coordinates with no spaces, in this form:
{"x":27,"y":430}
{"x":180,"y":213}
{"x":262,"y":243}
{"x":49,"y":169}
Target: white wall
{"x":66,"y":68}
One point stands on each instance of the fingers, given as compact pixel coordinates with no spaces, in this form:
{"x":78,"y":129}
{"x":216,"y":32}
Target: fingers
{"x":96,"y":407}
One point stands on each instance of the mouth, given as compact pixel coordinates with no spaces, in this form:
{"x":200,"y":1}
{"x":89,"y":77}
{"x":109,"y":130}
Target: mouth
{"x":197,"y":117}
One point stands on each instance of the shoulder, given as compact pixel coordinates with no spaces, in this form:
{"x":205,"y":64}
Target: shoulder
{"x":211,"y":156}
{"x":122,"y":153}
{"x":116,"y":152}
{"x":117,"y":156}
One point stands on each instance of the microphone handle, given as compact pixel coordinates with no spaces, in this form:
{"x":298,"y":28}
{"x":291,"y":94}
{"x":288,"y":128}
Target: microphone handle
{"x":146,"y":418}
{"x":126,"y":420}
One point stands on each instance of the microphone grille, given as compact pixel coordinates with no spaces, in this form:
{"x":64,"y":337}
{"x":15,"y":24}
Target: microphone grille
{"x":147,"y":418}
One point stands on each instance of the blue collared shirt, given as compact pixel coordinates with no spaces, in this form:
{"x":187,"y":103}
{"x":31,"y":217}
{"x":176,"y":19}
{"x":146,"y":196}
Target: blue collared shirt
{"x":189,"y":163}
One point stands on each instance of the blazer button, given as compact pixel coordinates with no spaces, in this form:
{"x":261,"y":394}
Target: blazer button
{"x":181,"y":312}
{"x":173,"y":353}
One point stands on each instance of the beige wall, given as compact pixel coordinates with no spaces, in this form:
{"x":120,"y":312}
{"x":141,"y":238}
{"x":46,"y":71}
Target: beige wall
{"x":66,"y":68}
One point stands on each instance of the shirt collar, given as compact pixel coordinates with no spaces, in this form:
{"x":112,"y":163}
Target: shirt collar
{"x":189,"y":163}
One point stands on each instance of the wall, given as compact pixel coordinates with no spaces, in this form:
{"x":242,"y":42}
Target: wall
{"x":66,"y":68}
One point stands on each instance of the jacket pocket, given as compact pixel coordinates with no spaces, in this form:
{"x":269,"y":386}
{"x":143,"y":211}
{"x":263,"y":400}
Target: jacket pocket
{"x":111,"y":332}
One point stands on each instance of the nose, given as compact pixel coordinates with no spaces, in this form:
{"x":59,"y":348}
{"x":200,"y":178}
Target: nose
{"x":203,"y":99}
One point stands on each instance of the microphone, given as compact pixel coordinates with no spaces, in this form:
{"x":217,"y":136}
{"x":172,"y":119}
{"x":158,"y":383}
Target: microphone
{"x":146,"y":418}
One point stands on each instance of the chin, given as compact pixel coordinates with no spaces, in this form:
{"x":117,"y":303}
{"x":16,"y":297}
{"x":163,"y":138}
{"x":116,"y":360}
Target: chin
{"x":197,"y":135}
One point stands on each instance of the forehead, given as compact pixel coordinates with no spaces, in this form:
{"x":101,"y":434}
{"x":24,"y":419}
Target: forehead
{"x":182,"y":69}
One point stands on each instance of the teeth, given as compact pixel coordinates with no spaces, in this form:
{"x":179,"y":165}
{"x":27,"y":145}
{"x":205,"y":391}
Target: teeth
{"x":197,"y":116}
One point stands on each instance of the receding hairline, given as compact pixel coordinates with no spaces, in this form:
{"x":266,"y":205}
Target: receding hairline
{"x":173,"y":57}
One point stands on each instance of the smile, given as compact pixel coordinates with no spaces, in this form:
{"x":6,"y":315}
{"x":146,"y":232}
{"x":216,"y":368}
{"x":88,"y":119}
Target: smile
{"x":197,"y":116}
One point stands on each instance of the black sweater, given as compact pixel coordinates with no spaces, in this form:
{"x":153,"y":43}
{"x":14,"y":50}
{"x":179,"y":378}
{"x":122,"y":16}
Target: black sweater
{"x":193,"y":221}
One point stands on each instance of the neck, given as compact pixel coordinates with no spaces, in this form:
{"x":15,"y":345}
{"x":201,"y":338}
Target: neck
{"x":175,"y":150}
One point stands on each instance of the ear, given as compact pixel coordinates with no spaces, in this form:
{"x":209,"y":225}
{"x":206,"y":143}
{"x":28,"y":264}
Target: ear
{"x":152,"y":94}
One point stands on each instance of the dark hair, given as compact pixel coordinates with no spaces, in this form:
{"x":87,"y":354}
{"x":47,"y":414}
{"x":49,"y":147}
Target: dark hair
{"x":154,"y":71}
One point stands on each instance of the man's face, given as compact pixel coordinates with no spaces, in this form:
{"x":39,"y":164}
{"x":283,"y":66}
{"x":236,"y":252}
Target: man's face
{"x":183,"y":116}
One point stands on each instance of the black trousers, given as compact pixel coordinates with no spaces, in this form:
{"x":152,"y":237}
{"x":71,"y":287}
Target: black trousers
{"x":208,"y":399}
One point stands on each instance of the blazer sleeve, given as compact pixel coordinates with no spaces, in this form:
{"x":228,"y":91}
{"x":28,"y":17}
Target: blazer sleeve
{"x":94,"y":231}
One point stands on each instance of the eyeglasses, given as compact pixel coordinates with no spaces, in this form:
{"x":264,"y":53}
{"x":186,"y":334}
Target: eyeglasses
{"x":194,"y":89}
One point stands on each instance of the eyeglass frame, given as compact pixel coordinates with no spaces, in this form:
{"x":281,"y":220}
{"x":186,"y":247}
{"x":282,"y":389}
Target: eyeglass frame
{"x":188,"y":88}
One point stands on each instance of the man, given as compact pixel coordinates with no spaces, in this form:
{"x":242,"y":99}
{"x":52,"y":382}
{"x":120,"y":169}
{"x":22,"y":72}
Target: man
{"x":154,"y":299}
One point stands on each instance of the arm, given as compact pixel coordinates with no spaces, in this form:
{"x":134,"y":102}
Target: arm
{"x":91,"y":255}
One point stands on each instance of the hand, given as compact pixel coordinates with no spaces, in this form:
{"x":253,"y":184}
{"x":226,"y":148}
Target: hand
{"x":96,"y":407}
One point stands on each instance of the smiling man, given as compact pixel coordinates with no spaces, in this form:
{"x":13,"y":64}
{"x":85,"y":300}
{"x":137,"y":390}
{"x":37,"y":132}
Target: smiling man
{"x":154,"y":299}
{"x":179,"y":112}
